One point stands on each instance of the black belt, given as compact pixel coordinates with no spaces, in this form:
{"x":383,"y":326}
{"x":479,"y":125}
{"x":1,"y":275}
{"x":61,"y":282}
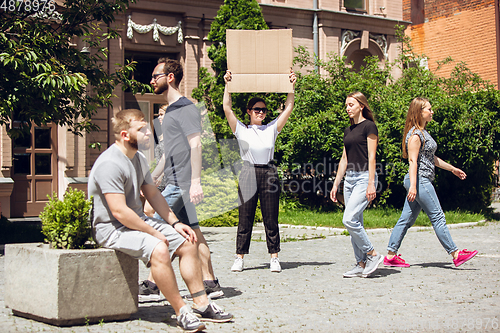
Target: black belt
{"x":268,"y":165}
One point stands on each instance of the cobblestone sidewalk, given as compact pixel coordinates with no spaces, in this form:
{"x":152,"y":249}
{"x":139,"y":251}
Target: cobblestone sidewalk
{"x":310,"y":295}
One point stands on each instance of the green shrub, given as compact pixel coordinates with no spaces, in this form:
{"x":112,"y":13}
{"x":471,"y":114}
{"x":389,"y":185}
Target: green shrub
{"x":65,"y":223}
{"x":466,"y":124}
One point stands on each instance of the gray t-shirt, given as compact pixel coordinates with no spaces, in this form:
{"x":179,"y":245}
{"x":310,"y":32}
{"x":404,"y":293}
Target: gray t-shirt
{"x":114,"y":172}
{"x":428,"y":147}
{"x":182,"y":118}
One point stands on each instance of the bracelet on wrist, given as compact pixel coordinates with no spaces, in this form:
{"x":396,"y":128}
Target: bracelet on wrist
{"x":173,"y":224}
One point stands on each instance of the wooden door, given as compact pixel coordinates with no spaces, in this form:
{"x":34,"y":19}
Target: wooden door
{"x":34,"y":170}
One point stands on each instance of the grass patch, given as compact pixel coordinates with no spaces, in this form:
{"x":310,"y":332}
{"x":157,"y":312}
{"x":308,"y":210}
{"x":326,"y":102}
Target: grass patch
{"x":373,"y":217}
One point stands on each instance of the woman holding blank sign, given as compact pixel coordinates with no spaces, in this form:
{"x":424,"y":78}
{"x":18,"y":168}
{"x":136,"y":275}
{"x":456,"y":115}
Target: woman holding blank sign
{"x":259,"y":177}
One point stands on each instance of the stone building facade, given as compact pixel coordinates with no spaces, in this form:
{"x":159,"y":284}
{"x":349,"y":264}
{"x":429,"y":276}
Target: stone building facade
{"x":53,"y":159}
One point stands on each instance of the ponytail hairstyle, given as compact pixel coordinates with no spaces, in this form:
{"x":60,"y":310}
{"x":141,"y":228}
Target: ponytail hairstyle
{"x":414,"y":118}
{"x":367,"y":112}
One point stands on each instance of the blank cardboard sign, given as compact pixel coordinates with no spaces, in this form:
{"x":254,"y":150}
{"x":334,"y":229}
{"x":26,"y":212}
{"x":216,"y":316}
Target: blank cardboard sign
{"x":259,"y":60}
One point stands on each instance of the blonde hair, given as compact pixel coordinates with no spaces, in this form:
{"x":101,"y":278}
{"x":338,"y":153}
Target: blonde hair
{"x":367,"y":112}
{"x":163,"y":107}
{"x":121,"y":121}
{"x":414,"y":118}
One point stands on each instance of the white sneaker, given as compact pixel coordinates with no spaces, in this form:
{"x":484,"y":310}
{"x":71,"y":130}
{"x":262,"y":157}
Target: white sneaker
{"x":357,"y":271}
{"x":238,"y":265}
{"x":275,"y":265}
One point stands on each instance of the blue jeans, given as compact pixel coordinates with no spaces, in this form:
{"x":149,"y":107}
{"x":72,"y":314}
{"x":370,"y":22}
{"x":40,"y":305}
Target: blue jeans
{"x":355,"y":185}
{"x":427,"y":200}
{"x":180,"y":203}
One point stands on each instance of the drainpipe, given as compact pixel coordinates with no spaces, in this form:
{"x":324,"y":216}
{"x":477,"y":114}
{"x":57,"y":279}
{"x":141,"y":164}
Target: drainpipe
{"x":315,"y":33}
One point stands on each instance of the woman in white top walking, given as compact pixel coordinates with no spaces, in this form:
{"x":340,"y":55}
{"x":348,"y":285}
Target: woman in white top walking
{"x":259,"y":177}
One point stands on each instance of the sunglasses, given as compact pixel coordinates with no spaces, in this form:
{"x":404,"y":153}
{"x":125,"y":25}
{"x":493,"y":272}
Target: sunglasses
{"x":156,"y":76}
{"x":260,"y":110}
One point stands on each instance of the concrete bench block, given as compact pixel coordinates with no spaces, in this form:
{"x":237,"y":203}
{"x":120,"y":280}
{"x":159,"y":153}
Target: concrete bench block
{"x":70,"y":287}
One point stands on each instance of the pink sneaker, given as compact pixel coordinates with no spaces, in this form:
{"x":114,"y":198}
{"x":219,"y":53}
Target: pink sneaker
{"x":397,"y":261}
{"x":464,"y":256}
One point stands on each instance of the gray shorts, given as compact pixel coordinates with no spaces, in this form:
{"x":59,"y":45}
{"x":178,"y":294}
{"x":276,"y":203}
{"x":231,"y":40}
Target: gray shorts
{"x":137,"y":244}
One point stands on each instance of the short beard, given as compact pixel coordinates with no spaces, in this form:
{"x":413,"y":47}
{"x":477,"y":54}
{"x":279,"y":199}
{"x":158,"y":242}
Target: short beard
{"x":133,"y":142}
{"x":161,"y":88}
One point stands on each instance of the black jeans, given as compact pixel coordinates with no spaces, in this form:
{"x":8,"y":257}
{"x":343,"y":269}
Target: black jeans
{"x":258,"y":182}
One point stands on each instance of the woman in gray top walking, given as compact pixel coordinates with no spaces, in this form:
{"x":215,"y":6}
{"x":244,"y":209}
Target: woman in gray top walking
{"x":419,"y":147}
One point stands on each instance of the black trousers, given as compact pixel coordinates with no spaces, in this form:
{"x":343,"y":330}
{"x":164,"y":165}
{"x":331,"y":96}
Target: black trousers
{"x":258,"y":182}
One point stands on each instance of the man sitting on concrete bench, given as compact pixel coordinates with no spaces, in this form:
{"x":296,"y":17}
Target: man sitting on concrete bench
{"x":115,"y":181}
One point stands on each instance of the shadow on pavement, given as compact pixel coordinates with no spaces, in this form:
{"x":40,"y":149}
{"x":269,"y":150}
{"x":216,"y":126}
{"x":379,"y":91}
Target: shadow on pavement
{"x":230,"y":292}
{"x":262,"y":266}
{"x":290,"y":265}
{"x":445,"y":265}
{"x":295,"y":264}
{"x":383,"y":272}
{"x":156,"y":313}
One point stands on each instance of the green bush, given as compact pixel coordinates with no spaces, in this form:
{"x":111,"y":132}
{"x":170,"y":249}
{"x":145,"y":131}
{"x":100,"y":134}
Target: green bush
{"x":466,"y":124}
{"x":65,"y":223}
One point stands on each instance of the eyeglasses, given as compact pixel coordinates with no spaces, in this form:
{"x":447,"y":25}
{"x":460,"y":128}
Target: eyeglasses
{"x":156,"y":76}
{"x":260,"y":110}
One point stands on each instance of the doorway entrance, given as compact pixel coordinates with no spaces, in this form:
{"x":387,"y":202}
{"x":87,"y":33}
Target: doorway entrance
{"x":34,"y":170}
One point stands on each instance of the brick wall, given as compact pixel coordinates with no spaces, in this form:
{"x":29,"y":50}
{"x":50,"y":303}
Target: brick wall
{"x":407,"y":10}
{"x":462,"y":29}
{"x":436,"y":9}
{"x":469,"y":37}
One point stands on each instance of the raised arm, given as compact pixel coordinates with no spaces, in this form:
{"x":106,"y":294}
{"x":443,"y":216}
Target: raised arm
{"x":290,"y":99}
{"x":447,"y":166}
{"x":227,"y":104}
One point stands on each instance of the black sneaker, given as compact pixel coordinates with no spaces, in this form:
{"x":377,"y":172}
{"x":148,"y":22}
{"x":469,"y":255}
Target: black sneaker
{"x":214,"y":314}
{"x":149,"y":292}
{"x":212,"y":288}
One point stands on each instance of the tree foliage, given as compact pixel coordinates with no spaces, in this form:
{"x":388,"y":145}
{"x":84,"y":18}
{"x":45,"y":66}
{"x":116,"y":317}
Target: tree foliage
{"x":233,"y":14}
{"x":466,"y":123}
{"x":45,"y":77}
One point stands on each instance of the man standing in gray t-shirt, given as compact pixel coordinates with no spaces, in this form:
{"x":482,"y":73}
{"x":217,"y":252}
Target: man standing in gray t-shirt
{"x":115,"y":182}
{"x":181,"y":129}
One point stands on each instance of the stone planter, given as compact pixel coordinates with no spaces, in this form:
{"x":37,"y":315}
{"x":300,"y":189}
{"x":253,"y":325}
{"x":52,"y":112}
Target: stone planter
{"x":70,"y":287}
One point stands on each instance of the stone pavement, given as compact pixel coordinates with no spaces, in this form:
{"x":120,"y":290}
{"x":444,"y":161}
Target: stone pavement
{"x":311,"y":295}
